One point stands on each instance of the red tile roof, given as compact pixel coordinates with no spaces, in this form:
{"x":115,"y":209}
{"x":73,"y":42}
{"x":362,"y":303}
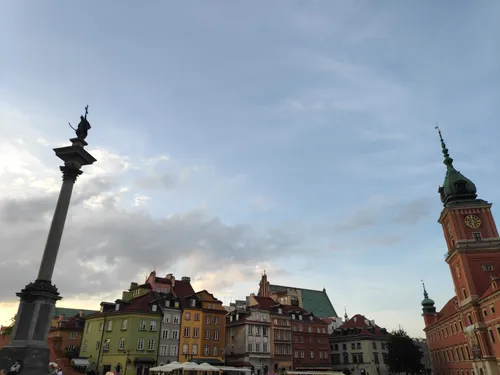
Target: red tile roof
{"x":182,"y":289}
{"x":265,"y":303}
{"x":139,"y":304}
{"x":359,"y":325}
{"x":448,"y":309}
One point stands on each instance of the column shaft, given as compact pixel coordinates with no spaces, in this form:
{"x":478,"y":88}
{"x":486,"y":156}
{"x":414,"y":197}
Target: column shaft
{"x":58,"y":221}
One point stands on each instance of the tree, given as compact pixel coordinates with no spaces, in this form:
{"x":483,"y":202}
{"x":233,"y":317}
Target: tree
{"x":404,"y":355}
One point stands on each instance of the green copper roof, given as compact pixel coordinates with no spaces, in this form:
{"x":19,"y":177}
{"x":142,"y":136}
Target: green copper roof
{"x":67,"y":312}
{"x":456,"y":187}
{"x":316,"y":301}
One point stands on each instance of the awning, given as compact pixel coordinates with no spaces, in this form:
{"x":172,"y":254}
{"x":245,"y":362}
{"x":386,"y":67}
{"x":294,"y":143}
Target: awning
{"x":210,"y":361}
{"x":80,"y":362}
{"x":234,"y":369}
{"x":149,"y":360}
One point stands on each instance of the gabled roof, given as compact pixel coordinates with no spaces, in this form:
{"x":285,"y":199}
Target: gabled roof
{"x":316,"y":301}
{"x":139,"y":304}
{"x":359,"y":325}
{"x":265,"y":303}
{"x":182,"y":289}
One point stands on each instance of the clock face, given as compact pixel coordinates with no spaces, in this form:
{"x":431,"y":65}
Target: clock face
{"x":472,"y":221}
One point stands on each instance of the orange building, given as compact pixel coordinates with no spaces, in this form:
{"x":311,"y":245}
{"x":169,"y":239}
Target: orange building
{"x":464,"y":337}
{"x":203,"y":329}
{"x":67,"y":334}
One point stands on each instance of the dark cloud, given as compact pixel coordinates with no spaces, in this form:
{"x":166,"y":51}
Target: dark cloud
{"x":414,"y":211}
{"x":104,"y":246}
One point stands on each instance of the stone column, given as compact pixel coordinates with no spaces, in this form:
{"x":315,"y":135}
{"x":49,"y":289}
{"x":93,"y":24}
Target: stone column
{"x":28,"y":340}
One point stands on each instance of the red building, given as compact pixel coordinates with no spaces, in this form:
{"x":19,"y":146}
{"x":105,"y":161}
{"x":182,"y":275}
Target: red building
{"x":310,"y":345}
{"x":464,"y":337}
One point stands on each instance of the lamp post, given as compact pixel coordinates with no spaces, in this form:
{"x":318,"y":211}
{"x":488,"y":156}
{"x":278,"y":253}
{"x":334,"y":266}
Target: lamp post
{"x":28,"y":340}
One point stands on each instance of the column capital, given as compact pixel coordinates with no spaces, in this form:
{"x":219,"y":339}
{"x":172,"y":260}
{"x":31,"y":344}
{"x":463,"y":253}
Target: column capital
{"x":70,"y":173}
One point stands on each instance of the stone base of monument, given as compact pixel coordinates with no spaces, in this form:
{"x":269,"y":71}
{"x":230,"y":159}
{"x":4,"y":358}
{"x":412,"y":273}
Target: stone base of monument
{"x":33,"y":360}
{"x":28,"y":343}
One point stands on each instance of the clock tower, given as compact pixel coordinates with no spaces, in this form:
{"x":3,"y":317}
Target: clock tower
{"x":471,"y":234}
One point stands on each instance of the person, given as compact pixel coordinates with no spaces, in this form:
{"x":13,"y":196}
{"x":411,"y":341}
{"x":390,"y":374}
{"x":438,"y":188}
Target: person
{"x":15,"y":368}
{"x":59,"y":372}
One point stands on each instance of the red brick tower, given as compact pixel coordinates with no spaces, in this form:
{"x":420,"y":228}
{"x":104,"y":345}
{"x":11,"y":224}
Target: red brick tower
{"x":473,"y":256}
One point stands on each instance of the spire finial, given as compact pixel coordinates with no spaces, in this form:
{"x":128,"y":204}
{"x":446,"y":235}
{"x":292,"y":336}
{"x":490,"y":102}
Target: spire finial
{"x":448,"y":161}
{"x":345,"y":313}
{"x":426,"y":295}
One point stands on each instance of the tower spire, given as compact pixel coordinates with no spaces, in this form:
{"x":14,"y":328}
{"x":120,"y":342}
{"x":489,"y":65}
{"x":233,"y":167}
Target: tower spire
{"x":426,"y":295}
{"x":346,"y":318}
{"x":448,"y":161}
{"x":427,"y":303}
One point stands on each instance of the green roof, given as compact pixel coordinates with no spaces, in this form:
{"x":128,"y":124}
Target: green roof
{"x":316,"y":301}
{"x":67,"y":312}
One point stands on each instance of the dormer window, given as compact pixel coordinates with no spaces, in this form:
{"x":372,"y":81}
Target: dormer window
{"x":280,"y":310}
{"x":293,"y":316}
{"x":193,"y":303}
{"x":487,"y":267}
{"x":311,"y":318}
{"x":300,"y":317}
{"x":167,"y":303}
{"x":176,"y":304}
{"x":231,"y":318}
{"x":117,"y":307}
{"x":237,"y":316}
{"x":153,"y":308}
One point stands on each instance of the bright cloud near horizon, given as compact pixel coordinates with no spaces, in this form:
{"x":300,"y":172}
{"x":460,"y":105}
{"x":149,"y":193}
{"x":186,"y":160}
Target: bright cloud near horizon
{"x":232,"y":137}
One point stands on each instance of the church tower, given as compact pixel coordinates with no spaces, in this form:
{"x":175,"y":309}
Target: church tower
{"x":263,"y":286}
{"x":470,"y":232}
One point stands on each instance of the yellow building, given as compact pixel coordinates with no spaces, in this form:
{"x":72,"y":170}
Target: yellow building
{"x":203,"y":329}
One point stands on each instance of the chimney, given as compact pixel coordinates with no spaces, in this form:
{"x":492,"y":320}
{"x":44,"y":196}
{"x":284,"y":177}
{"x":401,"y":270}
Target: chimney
{"x":171,"y":277}
{"x":372,"y":322}
{"x":80,"y":313}
{"x":186,"y":279}
{"x":133,"y":285}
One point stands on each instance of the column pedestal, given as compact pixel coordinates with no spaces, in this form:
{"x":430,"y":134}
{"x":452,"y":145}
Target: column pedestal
{"x":29,"y":336}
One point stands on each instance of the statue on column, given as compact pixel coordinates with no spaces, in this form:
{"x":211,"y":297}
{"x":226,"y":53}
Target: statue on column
{"x":83,"y":127}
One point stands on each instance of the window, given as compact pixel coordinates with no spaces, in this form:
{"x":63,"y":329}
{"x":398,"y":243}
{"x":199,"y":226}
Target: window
{"x":336,"y":347}
{"x":177,"y":319}
{"x":153,"y":308}
{"x":470,"y":319}
{"x":296,"y":352}
{"x":85,"y":343}
{"x":101,"y":327}
{"x":166,"y":318}
{"x":185,"y":349}
{"x":195,"y":349}
{"x":487,"y":267}
{"x":492,"y":335}
{"x":476,"y":236}
{"x":264,"y":348}
{"x":293,"y":317}
{"x":105,"y":347}
{"x":173,"y":350}
{"x":207,"y":320}
{"x":250,"y":347}
{"x":73,"y":335}
{"x":110,"y":326}
{"x":88,"y":326}
{"x":140,"y":344}
{"x":206,"y":350}
{"x":374,"y":345}
{"x":164,"y":333}
{"x":97,"y":345}
{"x":264,"y":331}
{"x":186,"y":332}
{"x":216,"y":334}
{"x":142,"y":325}
{"x":300,"y":317}
{"x":163,"y":350}
{"x":192,"y":303}
{"x":336,"y":359}
{"x":216,"y":351}
{"x":117,"y":307}
{"x":492,"y":309}
{"x":257,"y":347}
{"x":187,"y":316}
{"x":464,"y":292}
{"x":176,"y":305}
{"x":216,"y":320}
{"x":358,"y":345}
{"x":167,"y":304}
{"x":311,"y":354}
{"x":280,"y":310}
{"x":207,"y":334}
{"x":121,"y":344}
{"x":175,"y":334}
{"x":152,"y":325}
{"x":151,"y":345}
{"x":485,"y":312}
{"x":124,"y":324}
{"x":196,"y":333}
{"x":197,"y":317}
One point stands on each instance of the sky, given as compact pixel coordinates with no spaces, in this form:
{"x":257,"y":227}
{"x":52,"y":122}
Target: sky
{"x":232,"y":137}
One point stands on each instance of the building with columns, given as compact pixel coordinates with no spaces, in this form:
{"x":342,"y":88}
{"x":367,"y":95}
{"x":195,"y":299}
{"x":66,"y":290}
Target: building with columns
{"x":464,"y":336}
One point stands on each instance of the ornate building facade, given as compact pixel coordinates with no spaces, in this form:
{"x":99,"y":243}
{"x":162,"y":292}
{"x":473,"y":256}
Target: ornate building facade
{"x":359,"y":346}
{"x":464,"y":336}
